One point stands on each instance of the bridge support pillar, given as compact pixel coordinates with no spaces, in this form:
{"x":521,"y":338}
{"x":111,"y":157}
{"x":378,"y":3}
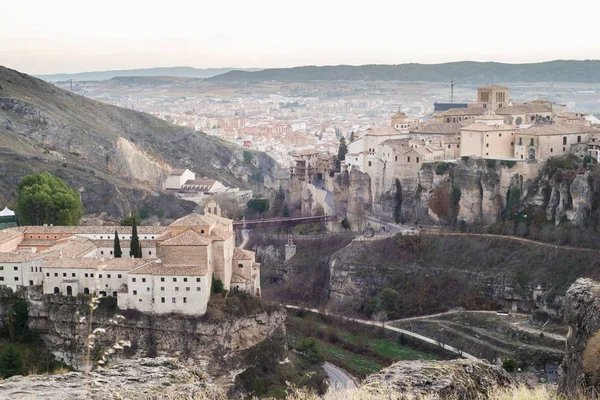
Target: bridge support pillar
{"x":290,"y":248}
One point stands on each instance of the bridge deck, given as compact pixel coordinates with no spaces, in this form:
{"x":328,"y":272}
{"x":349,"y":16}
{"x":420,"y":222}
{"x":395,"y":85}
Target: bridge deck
{"x":274,"y":222}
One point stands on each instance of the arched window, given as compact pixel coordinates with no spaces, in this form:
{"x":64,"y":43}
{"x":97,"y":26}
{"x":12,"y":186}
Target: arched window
{"x":241,"y":265}
{"x":69,"y":291}
{"x":369,"y":163}
{"x":578,"y":139}
{"x":519,"y":120}
{"x":56,"y":290}
{"x":86,"y":291}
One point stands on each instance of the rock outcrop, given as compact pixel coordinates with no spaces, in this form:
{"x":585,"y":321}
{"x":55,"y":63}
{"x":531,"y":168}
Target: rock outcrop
{"x":582,"y":313}
{"x":461,"y":379}
{"x":146,"y":378}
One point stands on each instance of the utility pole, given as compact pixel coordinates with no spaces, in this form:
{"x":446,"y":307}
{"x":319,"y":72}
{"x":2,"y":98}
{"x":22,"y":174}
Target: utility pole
{"x":452,"y":91}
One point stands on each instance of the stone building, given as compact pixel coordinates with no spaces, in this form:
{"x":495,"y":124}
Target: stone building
{"x":178,"y":177}
{"x":175,"y":275}
{"x":493,"y":96}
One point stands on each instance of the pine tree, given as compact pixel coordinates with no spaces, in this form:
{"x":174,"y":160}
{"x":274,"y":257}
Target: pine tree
{"x":342,"y":150}
{"x":135,"y":250}
{"x":11,"y":362}
{"x":398,"y":202}
{"x":117,"y":246}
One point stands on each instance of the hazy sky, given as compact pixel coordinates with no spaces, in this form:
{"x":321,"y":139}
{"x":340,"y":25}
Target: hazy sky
{"x":51,"y":36}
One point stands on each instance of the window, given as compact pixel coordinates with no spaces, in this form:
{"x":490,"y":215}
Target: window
{"x":173,"y":300}
{"x":369,"y":163}
{"x":73,"y":275}
{"x":408,"y":159}
{"x":198,"y":289}
{"x":132,"y":279}
{"x":185,"y":279}
{"x":201,"y":230}
{"x":241,"y":265}
{"x":30,"y":283}
{"x":134,"y":292}
{"x":177,"y":289}
{"x":1,"y":268}
{"x":147,"y":289}
{"x":91,"y":275}
{"x":149,"y":253}
{"x":16,"y":278}
{"x":47,"y":273}
{"x":564,"y":140}
{"x":564,"y":149}
{"x":111,"y":252}
{"x":532,"y":142}
{"x":162,"y":279}
{"x":1,"y":278}
{"x":140,"y":300}
{"x":101,"y":251}
{"x":162,"y":288}
{"x":487,"y":145}
{"x":417,"y":160}
{"x":550,"y":149}
{"x":197,"y":279}
{"x":185,"y":299}
{"x":458,"y":146}
{"x":187,"y":289}
{"x":449,"y":146}
{"x":578,"y":139}
{"x":500,"y":134}
{"x":64,"y":274}
{"x":143,"y":279}
{"x":396,"y":158}
{"x":520,"y":141}
{"x":118,"y":276}
{"x":108,"y":276}
{"x":56,"y":274}
{"x":16,"y":268}
{"x":511,"y":143}
{"x":174,"y":279}
{"x":100,"y":276}
{"x":162,"y":299}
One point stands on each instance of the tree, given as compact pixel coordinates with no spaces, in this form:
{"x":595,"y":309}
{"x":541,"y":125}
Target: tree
{"x":259,"y":205}
{"x":217,"y":285}
{"x":46,"y":199}
{"x":135,"y":249}
{"x":11,"y":362}
{"x":309,"y":348}
{"x":352,"y":137}
{"x":398,"y":202}
{"x":117,"y":246}
{"x":131,"y":220}
{"x":342,"y":150}
{"x":286,"y":211}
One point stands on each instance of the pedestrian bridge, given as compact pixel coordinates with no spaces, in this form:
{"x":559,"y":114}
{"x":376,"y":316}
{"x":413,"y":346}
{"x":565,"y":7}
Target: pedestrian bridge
{"x":277,"y":222}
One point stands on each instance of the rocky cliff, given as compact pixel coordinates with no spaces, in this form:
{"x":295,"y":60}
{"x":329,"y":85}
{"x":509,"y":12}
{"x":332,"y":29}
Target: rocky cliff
{"x":460,"y":379}
{"x":582,"y":360}
{"x":89,"y":143}
{"x":216,"y":341}
{"x":481,"y":192}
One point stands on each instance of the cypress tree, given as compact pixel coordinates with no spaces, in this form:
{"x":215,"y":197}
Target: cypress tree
{"x":342,"y":150}
{"x":117,"y":246}
{"x":398,"y":202}
{"x":135,"y":250}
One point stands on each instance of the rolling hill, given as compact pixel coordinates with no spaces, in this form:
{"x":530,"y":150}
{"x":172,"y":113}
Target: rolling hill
{"x":115,"y":157}
{"x":464,"y":71}
{"x":188,"y":72}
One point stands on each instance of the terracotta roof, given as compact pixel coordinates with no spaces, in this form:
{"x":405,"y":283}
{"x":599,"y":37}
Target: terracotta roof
{"x":307,"y":152}
{"x":241,"y":254}
{"x":178,"y":171}
{"x":124,"y":243}
{"x":382,"y":131}
{"x":556,"y":129}
{"x":220,"y":234}
{"x":188,"y":238}
{"x":10,"y":233}
{"x":459,"y":112}
{"x":527,"y":108}
{"x":194,"y":220}
{"x":201,"y":184}
{"x":75,"y":247}
{"x":236,"y":278}
{"x":38,"y":242}
{"x":100,"y":264}
{"x":401,"y":145}
{"x":95,"y":230}
{"x":437,"y":128}
{"x":481,"y":127}
{"x":18,"y":257}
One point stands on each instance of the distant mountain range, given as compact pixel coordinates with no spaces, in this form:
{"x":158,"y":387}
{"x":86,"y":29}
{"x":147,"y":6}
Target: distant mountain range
{"x":587,"y":71}
{"x":188,"y":72}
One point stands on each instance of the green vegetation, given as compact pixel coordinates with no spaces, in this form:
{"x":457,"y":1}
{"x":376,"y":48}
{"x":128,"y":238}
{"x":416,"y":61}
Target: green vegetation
{"x":217,"y":286}
{"x":359,"y":349}
{"x":491,"y":164}
{"x":456,"y":193}
{"x":258,"y":205}
{"x":509,"y":364}
{"x":131,"y":220}
{"x":441,"y":168}
{"x":508,"y":163}
{"x":136,"y":249}
{"x":342,"y":150}
{"x":22,"y":351}
{"x":117,"y":246}
{"x":308,"y":348}
{"x":397,"y":201}
{"x":387,"y":301}
{"x":46,"y":199}
{"x":247,"y":157}
{"x":513,"y":201}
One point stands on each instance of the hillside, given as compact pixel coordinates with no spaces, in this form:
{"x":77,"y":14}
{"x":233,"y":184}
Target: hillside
{"x":464,"y":71}
{"x":115,"y":157}
{"x":188,"y":72}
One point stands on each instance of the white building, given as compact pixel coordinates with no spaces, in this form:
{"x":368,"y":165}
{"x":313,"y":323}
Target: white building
{"x":178,"y":177}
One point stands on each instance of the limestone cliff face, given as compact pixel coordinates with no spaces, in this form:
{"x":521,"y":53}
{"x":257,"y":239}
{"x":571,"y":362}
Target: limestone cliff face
{"x":461,"y":379}
{"x":217,"y":346}
{"x":352,"y":197}
{"x":582,"y":313}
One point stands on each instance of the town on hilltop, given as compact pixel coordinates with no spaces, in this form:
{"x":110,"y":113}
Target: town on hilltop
{"x":174,"y":275}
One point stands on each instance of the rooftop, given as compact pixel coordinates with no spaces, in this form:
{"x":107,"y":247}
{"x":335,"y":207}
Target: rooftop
{"x":482,"y":127}
{"x":241,"y":254}
{"x":194,"y":220}
{"x":437,"y":128}
{"x":178,"y":171}
{"x":460,"y":112}
{"x":493,"y":87}
{"x":101,"y":264}
{"x":557,"y":129}
{"x":157,"y":268}
{"x":188,"y":238}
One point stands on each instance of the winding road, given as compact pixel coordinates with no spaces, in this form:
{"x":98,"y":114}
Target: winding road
{"x":338,"y":378}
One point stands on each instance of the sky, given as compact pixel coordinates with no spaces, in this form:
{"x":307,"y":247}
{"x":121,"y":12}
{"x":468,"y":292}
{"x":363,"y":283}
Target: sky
{"x":64,"y":36}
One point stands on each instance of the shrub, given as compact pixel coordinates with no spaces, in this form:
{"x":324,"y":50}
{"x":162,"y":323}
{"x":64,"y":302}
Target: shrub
{"x":247,"y":157}
{"x":309,"y":348}
{"x":509,"y":364}
{"x":11,"y":362}
{"x":441,"y":168}
{"x":491,"y":163}
{"x":465,"y":158}
{"x":508,"y":163}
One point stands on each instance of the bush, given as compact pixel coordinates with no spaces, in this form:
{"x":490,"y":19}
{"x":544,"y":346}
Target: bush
{"x":509,"y":364}
{"x":247,"y":157}
{"x":465,"y":158}
{"x":217,"y":286}
{"x":11,"y":362}
{"x":441,"y":168}
{"x":309,"y":348}
{"x":508,"y":163}
{"x":491,"y":163}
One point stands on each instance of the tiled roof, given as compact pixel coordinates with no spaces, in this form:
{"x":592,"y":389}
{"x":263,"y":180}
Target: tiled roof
{"x":494,"y":87}
{"x":241,"y":254}
{"x":18,"y":257}
{"x":178,"y":171}
{"x":200,"y":184}
{"x":383,"y":131}
{"x":156,"y":268}
{"x":307,"y":152}
{"x":187,"y":238}
{"x":236,"y":278}
{"x":37,"y":242}
{"x":459,"y":112}
{"x":220,"y":234}
{"x":95,"y":230}
{"x":75,"y":247}
{"x":481,"y":127}
{"x":556,"y":129}
{"x":10,"y":233}
{"x":400,"y":145}
{"x":111,"y":264}
{"x":193,"y":220}
{"x":527,"y":108}
{"x":437,"y":128}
